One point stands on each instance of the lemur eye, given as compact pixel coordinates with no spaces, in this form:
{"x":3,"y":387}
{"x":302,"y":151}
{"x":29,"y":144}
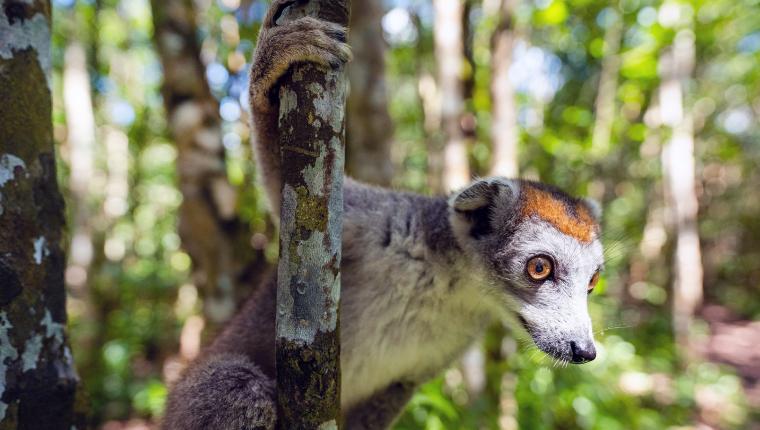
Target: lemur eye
{"x":593,"y":281}
{"x":539,"y":268}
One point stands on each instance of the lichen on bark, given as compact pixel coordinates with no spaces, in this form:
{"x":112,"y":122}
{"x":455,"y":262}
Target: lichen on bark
{"x":37,"y":378}
{"x":312,"y":120}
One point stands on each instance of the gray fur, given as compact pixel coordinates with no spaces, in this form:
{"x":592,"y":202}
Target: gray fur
{"x":421,"y":278}
{"x":237,"y":395}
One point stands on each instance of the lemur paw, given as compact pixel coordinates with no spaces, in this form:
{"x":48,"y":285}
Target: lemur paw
{"x":304,"y":40}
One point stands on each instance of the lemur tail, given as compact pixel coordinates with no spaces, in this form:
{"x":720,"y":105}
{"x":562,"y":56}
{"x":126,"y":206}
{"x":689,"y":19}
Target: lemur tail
{"x":225,"y":391}
{"x":280,"y":46}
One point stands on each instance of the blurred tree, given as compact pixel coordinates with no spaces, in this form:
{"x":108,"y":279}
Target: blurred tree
{"x":505,"y":138}
{"x":38,"y":381}
{"x":369,"y":133}
{"x":679,"y":170}
{"x":81,"y":143}
{"x":607,"y":91}
{"x":450,"y":163}
{"x":504,"y":129}
{"x":225,"y":266}
{"x":77,"y":99}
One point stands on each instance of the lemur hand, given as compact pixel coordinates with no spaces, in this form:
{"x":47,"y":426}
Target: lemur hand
{"x":304,"y":39}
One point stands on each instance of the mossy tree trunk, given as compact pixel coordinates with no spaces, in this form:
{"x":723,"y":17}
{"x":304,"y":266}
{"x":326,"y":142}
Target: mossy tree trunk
{"x":370,"y":127}
{"x":312,"y":121}
{"x":37,"y":377}
{"x":225,"y":266}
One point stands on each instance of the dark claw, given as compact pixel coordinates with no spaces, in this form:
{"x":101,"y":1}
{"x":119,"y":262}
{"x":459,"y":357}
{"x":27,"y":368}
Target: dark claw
{"x":340,"y":36}
{"x":335,"y":64}
{"x":281,"y":8}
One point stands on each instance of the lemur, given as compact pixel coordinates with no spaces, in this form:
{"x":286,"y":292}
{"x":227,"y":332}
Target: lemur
{"x":422,"y":276}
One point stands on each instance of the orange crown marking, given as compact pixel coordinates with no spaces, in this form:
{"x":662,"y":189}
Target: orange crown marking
{"x":580,"y":224}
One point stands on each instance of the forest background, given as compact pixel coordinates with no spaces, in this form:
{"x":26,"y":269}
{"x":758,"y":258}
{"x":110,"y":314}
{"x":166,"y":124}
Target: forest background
{"x":650,"y":107}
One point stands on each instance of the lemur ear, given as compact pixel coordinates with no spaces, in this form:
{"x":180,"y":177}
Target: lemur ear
{"x":480,"y":202}
{"x":594,"y":207}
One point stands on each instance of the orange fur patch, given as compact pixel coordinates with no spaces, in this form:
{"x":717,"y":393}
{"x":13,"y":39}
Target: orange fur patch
{"x":580,"y":225}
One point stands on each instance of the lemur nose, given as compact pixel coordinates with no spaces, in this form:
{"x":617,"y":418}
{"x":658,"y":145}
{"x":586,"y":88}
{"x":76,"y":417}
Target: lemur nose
{"x":583,"y":354}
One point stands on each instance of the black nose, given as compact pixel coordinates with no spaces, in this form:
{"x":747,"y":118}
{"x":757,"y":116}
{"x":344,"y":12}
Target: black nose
{"x":583,"y":354}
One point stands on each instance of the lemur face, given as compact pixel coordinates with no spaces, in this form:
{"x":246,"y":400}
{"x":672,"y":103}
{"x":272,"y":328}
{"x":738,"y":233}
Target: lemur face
{"x":542,"y":254}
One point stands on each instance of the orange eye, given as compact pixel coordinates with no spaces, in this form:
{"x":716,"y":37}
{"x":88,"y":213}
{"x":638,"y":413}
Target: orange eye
{"x":592,"y":283}
{"x":539,"y":268}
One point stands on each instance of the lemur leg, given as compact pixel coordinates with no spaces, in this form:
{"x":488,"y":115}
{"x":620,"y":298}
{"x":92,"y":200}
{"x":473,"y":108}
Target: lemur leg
{"x":224,"y":392}
{"x":303,"y":40}
{"x":379,"y":411}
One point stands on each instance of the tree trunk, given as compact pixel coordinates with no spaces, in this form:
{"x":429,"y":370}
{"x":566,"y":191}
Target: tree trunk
{"x":80,"y":123}
{"x":607,"y":92}
{"x":678,"y":165}
{"x":312,"y":110}
{"x":505,"y":137}
{"x":504,"y":131}
{"x":369,"y":133}
{"x":449,"y":52}
{"x":37,"y":377}
{"x":218,"y":242}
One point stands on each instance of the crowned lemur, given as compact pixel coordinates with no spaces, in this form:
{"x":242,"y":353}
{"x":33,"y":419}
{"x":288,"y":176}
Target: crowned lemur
{"x":421,"y":276}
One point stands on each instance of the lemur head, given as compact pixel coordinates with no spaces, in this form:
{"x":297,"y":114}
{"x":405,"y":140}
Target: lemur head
{"x":542,"y":255}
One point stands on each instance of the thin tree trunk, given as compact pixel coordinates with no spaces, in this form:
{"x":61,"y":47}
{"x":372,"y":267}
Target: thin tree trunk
{"x":449,"y":51}
{"x":312,"y":108}
{"x":212,"y":233}
{"x":607,"y":92}
{"x":504,"y":130}
{"x":80,"y":122}
{"x":428,"y":96}
{"x":369,"y":133}
{"x":81,"y":142}
{"x":505,"y":138}
{"x":37,"y":377}
{"x":678,"y":165}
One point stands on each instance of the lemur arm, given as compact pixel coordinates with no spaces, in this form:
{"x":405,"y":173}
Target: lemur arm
{"x":379,"y":411}
{"x":279,"y":47}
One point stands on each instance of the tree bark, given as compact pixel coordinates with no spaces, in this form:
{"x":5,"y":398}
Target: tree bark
{"x":225,"y":266}
{"x":678,"y":164}
{"x":504,"y":130}
{"x":312,"y":118}
{"x":452,"y":163}
{"x":369,"y":133}
{"x":37,"y":377}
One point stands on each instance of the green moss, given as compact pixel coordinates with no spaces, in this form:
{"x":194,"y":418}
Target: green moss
{"x":25,"y":112}
{"x":311,"y":211}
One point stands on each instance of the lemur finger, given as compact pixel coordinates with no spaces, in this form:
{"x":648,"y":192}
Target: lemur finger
{"x":306,"y":23}
{"x":275,"y":11}
{"x":323,"y":34}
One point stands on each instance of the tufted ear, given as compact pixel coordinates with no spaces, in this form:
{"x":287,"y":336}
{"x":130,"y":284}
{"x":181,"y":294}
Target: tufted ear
{"x":483,"y":202}
{"x":594,"y":207}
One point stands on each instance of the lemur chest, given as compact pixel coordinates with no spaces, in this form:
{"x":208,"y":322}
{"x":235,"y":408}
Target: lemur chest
{"x":405,"y":325}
